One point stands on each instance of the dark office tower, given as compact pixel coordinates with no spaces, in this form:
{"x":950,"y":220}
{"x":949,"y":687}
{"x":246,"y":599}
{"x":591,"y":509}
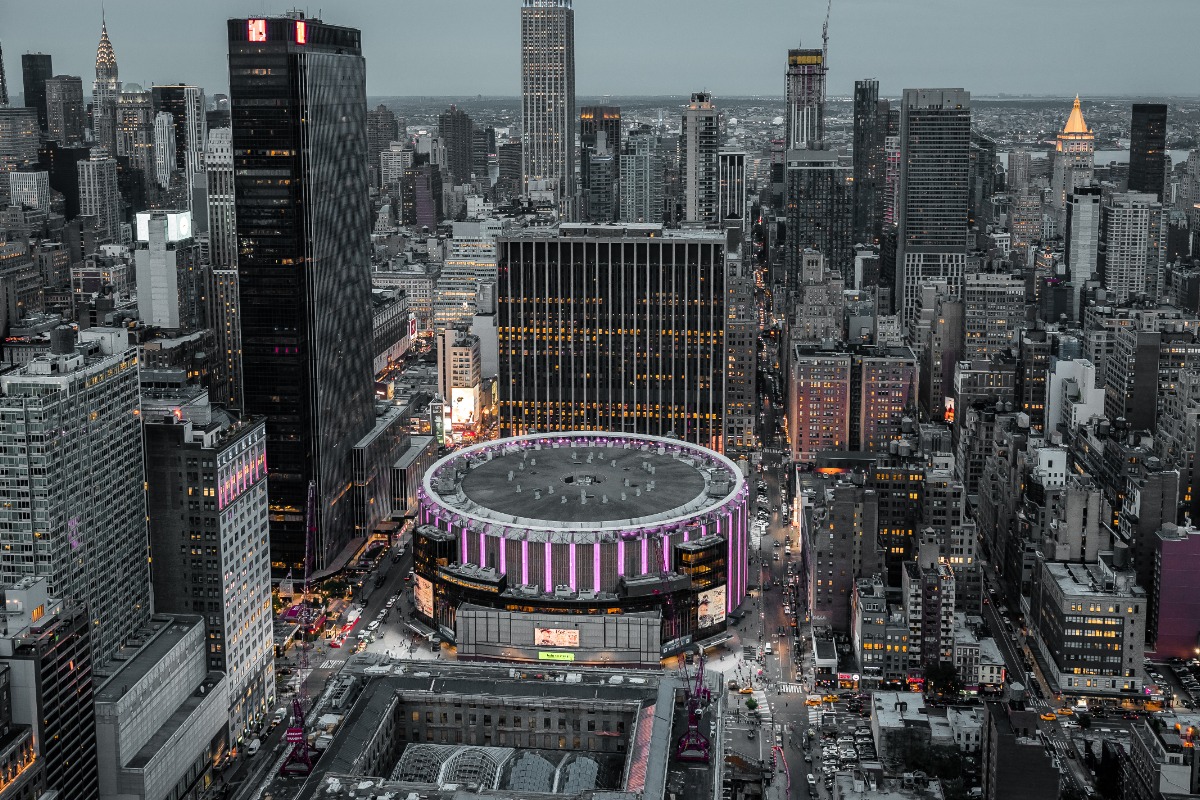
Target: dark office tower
{"x":645,"y":348}
{"x":598,"y":179}
{"x":3,"y":81}
{"x":982,"y":182}
{"x":66,"y":116}
{"x":935,"y":167}
{"x":62,"y":165}
{"x":483,"y":153}
{"x":869,"y":133}
{"x":819,"y":198}
{"x":382,"y":130}
{"x":35,"y":69}
{"x":593,"y":119}
{"x":548,"y":98}
{"x":1148,"y":148}
{"x":508,"y":162}
{"x":304,"y":227}
{"x":105,"y":89}
{"x":805,"y":121}
{"x":421,"y":203}
{"x":458,"y":133}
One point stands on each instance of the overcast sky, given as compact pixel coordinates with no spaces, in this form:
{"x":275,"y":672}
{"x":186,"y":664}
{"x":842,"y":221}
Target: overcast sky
{"x":623,"y":47}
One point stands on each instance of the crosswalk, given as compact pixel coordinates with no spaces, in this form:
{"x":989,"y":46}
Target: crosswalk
{"x":329,"y":663}
{"x":792,"y":688}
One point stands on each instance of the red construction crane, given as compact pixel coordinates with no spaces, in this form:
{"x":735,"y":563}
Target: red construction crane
{"x":299,"y":760}
{"x":693,"y":745}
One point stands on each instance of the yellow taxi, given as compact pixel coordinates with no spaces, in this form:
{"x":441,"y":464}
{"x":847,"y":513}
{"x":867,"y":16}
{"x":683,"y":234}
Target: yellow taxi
{"x":1065,"y":712}
{"x":1049,"y":716}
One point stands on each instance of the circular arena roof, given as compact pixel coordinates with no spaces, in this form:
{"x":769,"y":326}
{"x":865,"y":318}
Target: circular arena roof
{"x":587,"y":480}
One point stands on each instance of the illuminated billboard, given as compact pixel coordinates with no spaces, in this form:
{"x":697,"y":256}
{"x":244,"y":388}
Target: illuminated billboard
{"x":551,"y":656}
{"x":424,"y":597}
{"x":710,"y":610}
{"x":463,"y":406}
{"x":179,"y":225}
{"x":555,"y":637}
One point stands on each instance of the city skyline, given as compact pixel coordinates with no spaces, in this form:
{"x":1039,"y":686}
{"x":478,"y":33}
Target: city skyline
{"x":868,"y":38}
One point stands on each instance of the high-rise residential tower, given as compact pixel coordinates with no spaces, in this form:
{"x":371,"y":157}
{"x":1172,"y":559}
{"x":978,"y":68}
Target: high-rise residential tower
{"x":1148,"y":148}
{"x":104,"y":93}
{"x":36,"y":68}
{"x":642,"y":167}
{"x":548,"y":98}
{"x":73,"y":509}
{"x":599,"y":163}
{"x":699,"y":149}
{"x":304,"y":229}
{"x":187,"y":108}
{"x":458,"y":133}
{"x":223,"y":305}
{"x":65,"y":114}
{"x":935,"y":164}
{"x":732,"y":210}
{"x":1074,"y":161}
{"x":1082,"y":240}
{"x":1132,"y":245}
{"x":805,"y":120}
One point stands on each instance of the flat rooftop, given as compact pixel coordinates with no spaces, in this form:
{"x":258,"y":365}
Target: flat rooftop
{"x":605,"y":482}
{"x":125,"y":674}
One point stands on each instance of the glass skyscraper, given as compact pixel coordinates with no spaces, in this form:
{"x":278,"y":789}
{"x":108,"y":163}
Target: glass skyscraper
{"x":1148,"y":148}
{"x":298,"y":95}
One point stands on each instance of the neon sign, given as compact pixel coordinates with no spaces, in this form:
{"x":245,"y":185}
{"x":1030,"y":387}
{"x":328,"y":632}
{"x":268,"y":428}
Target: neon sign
{"x":301,"y":32}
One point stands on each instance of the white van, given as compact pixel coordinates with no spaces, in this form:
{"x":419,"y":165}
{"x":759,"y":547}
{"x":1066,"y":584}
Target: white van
{"x":253,"y":747}
{"x":767,"y":648}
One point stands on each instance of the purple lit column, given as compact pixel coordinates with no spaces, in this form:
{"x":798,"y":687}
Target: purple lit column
{"x":595,"y":566}
{"x":572,"y":578}
{"x":525,"y":562}
{"x":549,"y":568}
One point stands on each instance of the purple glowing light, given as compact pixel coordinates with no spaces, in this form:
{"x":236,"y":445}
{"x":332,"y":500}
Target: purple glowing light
{"x":482,"y":549}
{"x":666,"y":548}
{"x":572,"y":579}
{"x":503,"y":544}
{"x":645,"y":556}
{"x":620,"y":556}
{"x":595,"y":566}
{"x":549,"y":569}
{"x":524,"y":562}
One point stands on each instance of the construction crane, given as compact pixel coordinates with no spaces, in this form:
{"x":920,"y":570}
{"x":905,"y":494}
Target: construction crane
{"x":825,"y":33}
{"x":299,"y":760}
{"x":694,"y":746}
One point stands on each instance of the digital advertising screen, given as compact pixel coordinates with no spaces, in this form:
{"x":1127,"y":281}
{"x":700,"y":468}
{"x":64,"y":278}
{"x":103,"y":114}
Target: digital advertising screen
{"x":710,"y":609}
{"x":555,"y":637}
{"x":424,"y":597}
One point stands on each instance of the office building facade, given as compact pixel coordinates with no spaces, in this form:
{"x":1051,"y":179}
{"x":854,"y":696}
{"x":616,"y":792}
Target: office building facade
{"x":207,"y":498}
{"x":642,"y":165}
{"x":620,"y":328}
{"x":935,"y":161}
{"x":303,"y":269}
{"x":66,"y":116}
{"x":548,"y":99}
{"x":99,"y":196}
{"x":1148,"y":148}
{"x":36,"y":68}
